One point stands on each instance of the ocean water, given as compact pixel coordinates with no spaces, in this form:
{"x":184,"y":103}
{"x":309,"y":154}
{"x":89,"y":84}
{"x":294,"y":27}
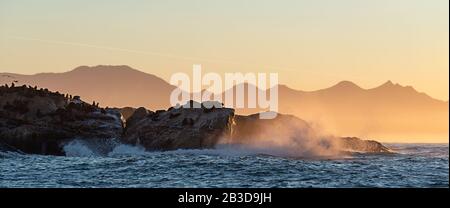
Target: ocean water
{"x":413,"y":165}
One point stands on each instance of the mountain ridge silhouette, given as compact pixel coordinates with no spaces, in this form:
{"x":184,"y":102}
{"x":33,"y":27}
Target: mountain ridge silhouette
{"x":388,"y":110}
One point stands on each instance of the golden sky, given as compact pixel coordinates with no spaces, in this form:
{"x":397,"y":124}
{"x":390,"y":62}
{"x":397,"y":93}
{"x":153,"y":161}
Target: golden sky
{"x":313,"y":44}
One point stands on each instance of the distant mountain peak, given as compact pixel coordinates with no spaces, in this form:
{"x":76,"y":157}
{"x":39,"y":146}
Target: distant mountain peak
{"x":345,"y":85}
{"x":388,"y":83}
{"x":81,"y":68}
{"x":103,"y":67}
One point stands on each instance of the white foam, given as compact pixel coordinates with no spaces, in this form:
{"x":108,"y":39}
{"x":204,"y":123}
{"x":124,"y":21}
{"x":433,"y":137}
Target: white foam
{"x":81,"y":148}
{"x":124,"y":149}
{"x":77,"y":148}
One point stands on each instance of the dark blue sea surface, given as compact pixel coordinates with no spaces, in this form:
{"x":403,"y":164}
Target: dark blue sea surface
{"x":413,"y":165}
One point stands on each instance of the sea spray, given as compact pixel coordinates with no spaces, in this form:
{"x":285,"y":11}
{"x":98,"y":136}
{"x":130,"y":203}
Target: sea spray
{"x":90,"y":147}
{"x":126,"y":150}
{"x":285,"y":136}
{"x":81,"y":148}
{"x":77,"y":148}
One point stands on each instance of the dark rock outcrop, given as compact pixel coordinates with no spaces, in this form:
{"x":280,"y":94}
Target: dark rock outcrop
{"x":41,"y":122}
{"x":178,"y":128}
{"x":354,"y":144}
{"x":7,"y":148}
{"x":137,"y":115}
{"x":126,"y":112}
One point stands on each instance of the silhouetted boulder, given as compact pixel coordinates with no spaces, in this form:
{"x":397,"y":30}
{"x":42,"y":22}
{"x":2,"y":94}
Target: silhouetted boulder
{"x":354,"y":144}
{"x":182,"y":128}
{"x":126,"y":112}
{"x":43,"y":123}
{"x":138,"y":115}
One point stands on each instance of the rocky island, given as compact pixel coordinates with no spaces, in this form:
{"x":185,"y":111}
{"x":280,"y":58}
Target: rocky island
{"x":38,"y":121}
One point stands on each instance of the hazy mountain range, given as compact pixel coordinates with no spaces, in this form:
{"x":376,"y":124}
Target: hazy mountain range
{"x":390,"y":112}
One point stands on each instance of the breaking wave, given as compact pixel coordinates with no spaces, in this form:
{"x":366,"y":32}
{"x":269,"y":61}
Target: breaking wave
{"x":83,"y":148}
{"x":77,"y":148}
{"x":125,"y":149}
